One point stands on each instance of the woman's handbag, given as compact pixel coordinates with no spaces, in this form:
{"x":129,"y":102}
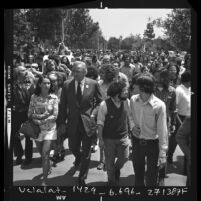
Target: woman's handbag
{"x":30,"y":129}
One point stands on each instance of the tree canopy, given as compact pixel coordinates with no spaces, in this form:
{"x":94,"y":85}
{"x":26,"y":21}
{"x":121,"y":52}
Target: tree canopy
{"x":177,"y":28}
{"x":74,"y":26}
{"x":149,"y":31}
{"x":77,"y":29}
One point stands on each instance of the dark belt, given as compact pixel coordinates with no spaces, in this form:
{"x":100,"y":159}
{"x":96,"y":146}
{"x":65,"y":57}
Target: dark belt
{"x":144,"y":141}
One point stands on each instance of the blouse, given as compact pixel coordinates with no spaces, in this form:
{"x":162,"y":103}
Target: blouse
{"x":45,"y":110}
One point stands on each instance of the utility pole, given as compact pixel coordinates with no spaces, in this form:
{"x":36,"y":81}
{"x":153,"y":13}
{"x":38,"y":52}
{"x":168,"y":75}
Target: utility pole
{"x":64,"y":16}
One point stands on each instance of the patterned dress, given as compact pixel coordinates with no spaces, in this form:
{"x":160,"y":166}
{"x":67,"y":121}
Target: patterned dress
{"x":38,"y":106}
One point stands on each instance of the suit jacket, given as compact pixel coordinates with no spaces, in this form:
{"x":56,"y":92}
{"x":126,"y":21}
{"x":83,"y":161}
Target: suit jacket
{"x":71,"y":110}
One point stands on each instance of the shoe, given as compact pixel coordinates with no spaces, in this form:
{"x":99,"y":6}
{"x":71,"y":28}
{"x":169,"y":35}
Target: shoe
{"x":55,"y":158}
{"x":18,"y":161}
{"x":26,"y":162}
{"x":81,"y":182}
{"x":117,"y":174}
{"x":94,"y":148}
{"x":100,"y":166}
{"x":77,"y":161}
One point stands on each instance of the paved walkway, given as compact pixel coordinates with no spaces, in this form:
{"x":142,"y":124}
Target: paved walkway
{"x":64,"y":174}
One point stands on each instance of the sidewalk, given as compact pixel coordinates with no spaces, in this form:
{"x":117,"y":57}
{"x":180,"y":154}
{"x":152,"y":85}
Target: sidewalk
{"x":65,"y":175}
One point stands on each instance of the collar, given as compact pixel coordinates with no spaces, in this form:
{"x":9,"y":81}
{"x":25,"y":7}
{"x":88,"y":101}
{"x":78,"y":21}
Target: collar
{"x":150,"y":100}
{"x":82,"y":82}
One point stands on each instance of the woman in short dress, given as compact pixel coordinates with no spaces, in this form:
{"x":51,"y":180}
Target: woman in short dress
{"x":57,"y":145}
{"x":43,"y":110}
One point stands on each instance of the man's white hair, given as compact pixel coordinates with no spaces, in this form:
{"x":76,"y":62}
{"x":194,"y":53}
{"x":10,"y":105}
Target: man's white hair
{"x":76,"y":63}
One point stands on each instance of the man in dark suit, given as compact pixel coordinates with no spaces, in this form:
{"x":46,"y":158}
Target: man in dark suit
{"x":79,"y":98}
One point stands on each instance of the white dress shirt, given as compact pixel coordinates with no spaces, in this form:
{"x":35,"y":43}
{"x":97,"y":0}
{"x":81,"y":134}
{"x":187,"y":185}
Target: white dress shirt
{"x":150,"y":116}
{"x":81,"y":85}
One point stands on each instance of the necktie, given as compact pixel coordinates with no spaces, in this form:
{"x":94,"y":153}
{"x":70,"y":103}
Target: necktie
{"x":79,"y":93}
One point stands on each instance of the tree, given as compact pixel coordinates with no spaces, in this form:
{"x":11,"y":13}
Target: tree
{"x":22,"y":29}
{"x":47,"y":22}
{"x":113,"y":43}
{"x":79,"y":28}
{"x":51,"y":26}
{"x":160,"y":43}
{"x":177,"y":28}
{"x":149,"y":32}
{"x":137,"y":43}
{"x":127,"y":42}
{"x":133,"y":42}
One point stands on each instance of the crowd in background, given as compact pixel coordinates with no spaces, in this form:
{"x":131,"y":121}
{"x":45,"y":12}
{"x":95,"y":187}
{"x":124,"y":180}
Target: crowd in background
{"x":36,"y":72}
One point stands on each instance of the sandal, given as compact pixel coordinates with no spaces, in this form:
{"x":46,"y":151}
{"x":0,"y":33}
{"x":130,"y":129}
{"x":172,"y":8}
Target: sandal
{"x":100,"y":166}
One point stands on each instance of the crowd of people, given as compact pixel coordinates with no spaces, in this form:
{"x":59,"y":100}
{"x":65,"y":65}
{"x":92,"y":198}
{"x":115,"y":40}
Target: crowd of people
{"x":102,"y":100}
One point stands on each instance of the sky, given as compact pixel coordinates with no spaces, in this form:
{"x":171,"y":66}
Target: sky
{"x":116,"y":22}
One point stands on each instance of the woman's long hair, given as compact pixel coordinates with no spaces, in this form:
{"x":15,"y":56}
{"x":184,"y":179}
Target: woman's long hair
{"x":174,"y":64}
{"x":37,"y":91}
{"x":67,"y":62}
{"x":164,"y":76}
{"x":110,"y":72}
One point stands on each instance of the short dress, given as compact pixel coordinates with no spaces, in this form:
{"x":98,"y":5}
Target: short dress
{"x":39,"y":105}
